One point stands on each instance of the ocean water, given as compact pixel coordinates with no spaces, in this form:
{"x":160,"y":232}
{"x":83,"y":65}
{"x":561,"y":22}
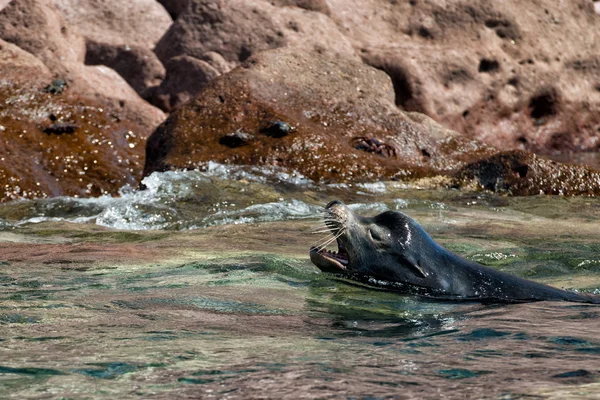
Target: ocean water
{"x":200,"y":286}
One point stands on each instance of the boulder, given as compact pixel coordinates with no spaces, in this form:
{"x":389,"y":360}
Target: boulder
{"x":4,"y":3}
{"x":135,"y":22}
{"x":20,"y":66}
{"x":237,"y":29}
{"x":516,"y":75}
{"x":66,"y":128}
{"x":331,"y":119}
{"x":54,"y":142}
{"x":37,"y":27}
{"x":525,"y":174}
{"x":312,"y":5}
{"x":174,"y":7}
{"x":186,"y":76}
{"x":139,"y":66}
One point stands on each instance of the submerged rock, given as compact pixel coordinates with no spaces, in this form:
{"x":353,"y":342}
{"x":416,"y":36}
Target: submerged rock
{"x":305,"y":112}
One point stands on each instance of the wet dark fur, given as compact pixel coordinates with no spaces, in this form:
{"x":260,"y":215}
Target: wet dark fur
{"x":392,"y":251}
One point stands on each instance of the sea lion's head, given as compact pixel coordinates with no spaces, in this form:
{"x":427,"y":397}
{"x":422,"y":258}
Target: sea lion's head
{"x":384,"y":247}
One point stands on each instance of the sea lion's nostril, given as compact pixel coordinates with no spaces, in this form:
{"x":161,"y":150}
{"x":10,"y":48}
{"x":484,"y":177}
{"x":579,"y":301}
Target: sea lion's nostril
{"x":333,"y":203}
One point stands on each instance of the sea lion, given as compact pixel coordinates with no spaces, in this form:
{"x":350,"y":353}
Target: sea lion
{"x":392,"y":251}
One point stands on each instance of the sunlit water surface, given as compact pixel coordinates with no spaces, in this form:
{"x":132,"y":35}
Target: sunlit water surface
{"x":200,"y":286}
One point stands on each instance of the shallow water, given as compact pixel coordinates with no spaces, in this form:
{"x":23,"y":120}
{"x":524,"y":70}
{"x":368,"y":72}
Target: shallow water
{"x":201,"y":287}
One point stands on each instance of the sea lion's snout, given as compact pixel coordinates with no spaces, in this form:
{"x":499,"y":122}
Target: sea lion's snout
{"x":333,"y":203}
{"x":336,"y":218}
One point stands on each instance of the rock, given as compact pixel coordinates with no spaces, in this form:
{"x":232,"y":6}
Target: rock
{"x":134,"y":23}
{"x":236,"y":139}
{"x":305,"y":112}
{"x":137,"y":65}
{"x":4,"y":3}
{"x":516,"y":75}
{"x":174,"y":7}
{"x":217,"y":62}
{"x":186,"y":76}
{"x":66,"y":128}
{"x":311,"y":5}
{"x":236,"y":29}
{"x":525,"y":174}
{"x":20,"y":66}
{"x":106,"y":87}
{"x":63,"y":144}
{"x":36,"y":27}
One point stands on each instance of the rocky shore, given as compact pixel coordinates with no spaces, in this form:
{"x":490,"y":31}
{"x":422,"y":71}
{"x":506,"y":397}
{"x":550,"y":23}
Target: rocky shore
{"x":338,"y":90}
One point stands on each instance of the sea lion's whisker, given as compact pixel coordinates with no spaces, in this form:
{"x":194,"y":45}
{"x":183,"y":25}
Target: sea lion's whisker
{"x":321,"y":243}
{"x":323,"y":239}
{"x":331,"y":240}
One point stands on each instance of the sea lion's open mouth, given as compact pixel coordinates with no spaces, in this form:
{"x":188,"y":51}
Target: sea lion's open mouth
{"x":330,"y":261}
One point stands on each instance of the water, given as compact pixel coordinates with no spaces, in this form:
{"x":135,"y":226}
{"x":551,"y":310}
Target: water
{"x":201,"y":287}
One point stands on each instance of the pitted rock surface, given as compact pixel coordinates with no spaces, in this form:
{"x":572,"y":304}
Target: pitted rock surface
{"x":319,"y":105}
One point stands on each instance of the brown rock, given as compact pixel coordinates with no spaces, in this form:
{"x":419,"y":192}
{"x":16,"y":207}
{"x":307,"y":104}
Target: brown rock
{"x":63,"y":144}
{"x":217,"y":62}
{"x":311,"y":5}
{"x":237,"y":29}
{"x":106,"y":87}
{"x":174,"y":7}
{"x":134,"y":22}
{"x":525,"y":174}
{"x":37,"y":27}
{"x":20,"y":66}
{"x":137,"y":65}
{"x":331,"y":119}
{"x":513,"y":74}
{"x":186,"y":76}
{"x":66,"y":128}
{"x":4,"y":3}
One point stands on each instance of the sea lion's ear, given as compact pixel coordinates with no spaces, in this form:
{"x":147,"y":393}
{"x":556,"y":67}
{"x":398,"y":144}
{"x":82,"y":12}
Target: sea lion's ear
{"x":410,"y":262}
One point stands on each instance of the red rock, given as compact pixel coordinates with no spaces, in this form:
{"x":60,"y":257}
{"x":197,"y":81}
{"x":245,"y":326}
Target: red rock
{"x":526,"y":174}
{"x":134,"y":22}
{"x":62,"y":144}
{"x":37,"y":27}
{"x":236,"y":29}
{"x":82,"y":135}
{"x":137,"y":65}
{"x":186,"y":76}
{"x":4,"y":3}
{"x":312,"y":5}
{"x":174,"y":7}
{"x":483,"y":68}
{"x":19,"y":65}
{"x":321,"y":116}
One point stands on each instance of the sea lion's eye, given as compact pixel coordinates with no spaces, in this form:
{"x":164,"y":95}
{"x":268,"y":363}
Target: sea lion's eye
{"x":374,"y":235}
